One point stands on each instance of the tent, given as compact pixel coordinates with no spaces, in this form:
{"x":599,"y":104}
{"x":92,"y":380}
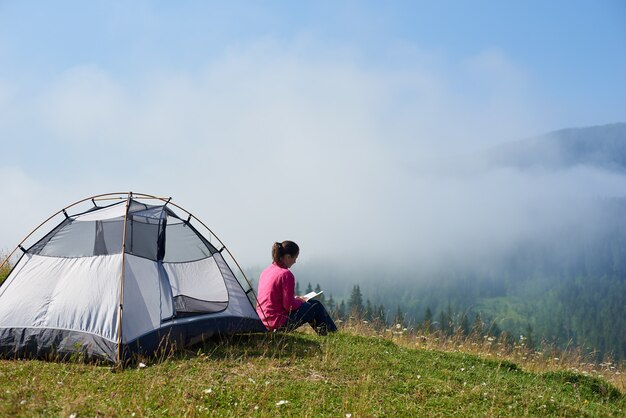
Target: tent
{"x":129,"y":274}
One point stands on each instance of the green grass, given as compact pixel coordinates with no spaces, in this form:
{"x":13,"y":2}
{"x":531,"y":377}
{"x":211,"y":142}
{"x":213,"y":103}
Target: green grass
{"x":4,"y":270}
{"x":333,"y":376}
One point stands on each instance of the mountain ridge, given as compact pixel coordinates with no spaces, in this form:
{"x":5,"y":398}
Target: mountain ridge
{"x":601,"y":146}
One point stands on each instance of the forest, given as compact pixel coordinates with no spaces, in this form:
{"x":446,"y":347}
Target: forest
{"x":568,"y":290}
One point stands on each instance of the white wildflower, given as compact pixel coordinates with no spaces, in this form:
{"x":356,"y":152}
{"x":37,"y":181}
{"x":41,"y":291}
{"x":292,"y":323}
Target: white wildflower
{"x":348,"y":415}
{"x":142,"y":365}
{"x":22,"y":402}
{"x":73,"y":415}
{"x":209,"y":390}
{"x":256,"y":407}
{"x":281,"y":402}
{"x":251,"y":380}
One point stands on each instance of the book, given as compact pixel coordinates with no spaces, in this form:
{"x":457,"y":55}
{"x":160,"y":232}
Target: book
{"x":312,"y":295}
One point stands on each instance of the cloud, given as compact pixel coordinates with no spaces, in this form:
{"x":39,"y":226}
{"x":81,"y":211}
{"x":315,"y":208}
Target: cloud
{"x":26,"y":204}
{"x":85,"y":105}
{"x":272,"y":141}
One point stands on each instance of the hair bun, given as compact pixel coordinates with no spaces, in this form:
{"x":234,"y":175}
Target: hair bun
{"x":280,"y":249}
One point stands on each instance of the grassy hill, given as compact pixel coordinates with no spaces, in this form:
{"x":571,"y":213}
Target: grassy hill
{"x":299,"y":374}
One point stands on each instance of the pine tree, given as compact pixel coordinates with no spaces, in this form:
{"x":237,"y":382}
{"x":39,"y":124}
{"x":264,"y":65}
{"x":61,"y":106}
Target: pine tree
{"x":321,"y":297}
{"x":298,"y":289}
{"x":530,"y":342}
{"x":464,"y":325}
{"x":477,"y":326}
{"x":399,"y":318}
{"x":309,"y":288}
{"x":330,"y":305}
{"x":494,"y":329}
{"x":443,"y":322}
{"x":381,"y":316}
{"x":369,"y":310}
{"x":450,"y":316}
{"x":355,"y":304}
{"x":341,"y":311}
{"x":428,"y":320}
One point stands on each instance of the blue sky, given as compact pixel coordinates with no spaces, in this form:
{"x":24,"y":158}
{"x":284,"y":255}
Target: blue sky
{"x":247,"y":110}
{"x":572,"y":50}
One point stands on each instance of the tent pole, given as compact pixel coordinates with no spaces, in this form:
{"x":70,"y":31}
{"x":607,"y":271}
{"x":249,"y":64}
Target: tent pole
{"x":121,"y":307}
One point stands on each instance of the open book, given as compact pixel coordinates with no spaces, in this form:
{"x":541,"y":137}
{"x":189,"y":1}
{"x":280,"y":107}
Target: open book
{"x":312,"y":295}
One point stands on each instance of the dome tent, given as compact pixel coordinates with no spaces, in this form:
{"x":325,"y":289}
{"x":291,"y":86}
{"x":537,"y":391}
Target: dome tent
{"x":129,"y":274}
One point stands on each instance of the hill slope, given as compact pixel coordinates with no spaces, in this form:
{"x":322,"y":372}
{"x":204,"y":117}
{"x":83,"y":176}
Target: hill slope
{"x":303,"y":375}
{"x":599,"y":146}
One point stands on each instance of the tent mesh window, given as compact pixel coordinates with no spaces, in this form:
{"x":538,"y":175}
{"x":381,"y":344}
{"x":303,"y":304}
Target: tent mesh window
{"x":184,"y":243}
{"x":186,"y":250}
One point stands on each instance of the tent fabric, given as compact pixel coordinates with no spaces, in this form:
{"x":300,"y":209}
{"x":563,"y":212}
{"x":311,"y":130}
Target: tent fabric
{"x":63,"y":293}
{"x":83,"y":289}
{"x":201,"y":280}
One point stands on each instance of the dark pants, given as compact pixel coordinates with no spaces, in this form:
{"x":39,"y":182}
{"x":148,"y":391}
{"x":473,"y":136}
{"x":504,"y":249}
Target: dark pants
{"x":314,"y":314}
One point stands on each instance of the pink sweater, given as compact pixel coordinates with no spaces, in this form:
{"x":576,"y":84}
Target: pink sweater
{"x":276,"y":296}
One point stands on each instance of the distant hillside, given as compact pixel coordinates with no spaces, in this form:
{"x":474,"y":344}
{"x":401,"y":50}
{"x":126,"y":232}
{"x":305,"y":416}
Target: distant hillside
{"x":599,"y":146}
{"x":568,"y":288}
{"x":565,"y":284}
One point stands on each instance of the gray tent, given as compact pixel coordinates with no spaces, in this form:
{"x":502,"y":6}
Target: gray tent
{"x":130,"y":274}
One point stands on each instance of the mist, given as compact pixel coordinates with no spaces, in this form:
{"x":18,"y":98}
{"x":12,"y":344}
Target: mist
{"x":363,"y":165}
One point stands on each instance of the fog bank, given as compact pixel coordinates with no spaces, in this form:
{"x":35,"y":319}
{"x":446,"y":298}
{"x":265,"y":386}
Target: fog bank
{"x":268,"y":141}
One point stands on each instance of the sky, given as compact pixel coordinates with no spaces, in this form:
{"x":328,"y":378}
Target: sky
{"x":323,"y":122}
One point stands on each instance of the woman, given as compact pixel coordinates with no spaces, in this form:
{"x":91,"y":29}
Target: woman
{"x":277,"y":306}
